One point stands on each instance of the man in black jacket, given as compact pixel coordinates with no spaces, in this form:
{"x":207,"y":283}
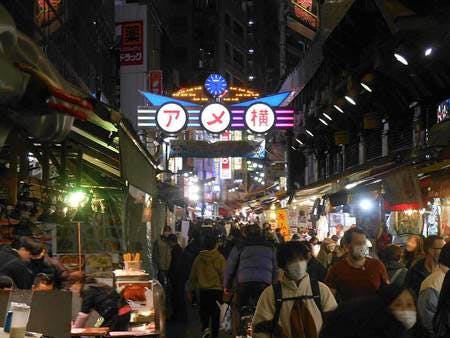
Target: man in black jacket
{"x":13,"y":261}
{"x":105,"y":300}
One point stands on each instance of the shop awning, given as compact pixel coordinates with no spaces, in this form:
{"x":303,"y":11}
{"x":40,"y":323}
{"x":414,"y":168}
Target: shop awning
{"x":137,"y":165}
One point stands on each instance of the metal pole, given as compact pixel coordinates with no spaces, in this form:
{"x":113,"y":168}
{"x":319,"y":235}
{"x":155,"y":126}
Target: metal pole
{"x":79,"y":246}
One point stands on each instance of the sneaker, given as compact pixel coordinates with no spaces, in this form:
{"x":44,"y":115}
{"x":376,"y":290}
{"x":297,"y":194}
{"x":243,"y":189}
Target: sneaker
{"x":206,"y":333}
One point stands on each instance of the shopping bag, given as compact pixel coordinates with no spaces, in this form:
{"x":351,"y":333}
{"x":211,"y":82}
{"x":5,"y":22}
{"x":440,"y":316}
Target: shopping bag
{"x":225,"y":316}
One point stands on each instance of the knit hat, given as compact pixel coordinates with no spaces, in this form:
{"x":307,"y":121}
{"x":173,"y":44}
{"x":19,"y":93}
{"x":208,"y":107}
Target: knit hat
{"x":444,"y":257}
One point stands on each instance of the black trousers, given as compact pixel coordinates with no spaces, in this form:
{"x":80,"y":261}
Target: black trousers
{"x":209,"y":310}
{"x":249,"y":293}
{"x":117,"y":323}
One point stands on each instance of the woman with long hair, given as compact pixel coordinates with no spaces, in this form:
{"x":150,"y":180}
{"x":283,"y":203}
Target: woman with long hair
{"x":325,"y":255}
{"x":413,"y":250}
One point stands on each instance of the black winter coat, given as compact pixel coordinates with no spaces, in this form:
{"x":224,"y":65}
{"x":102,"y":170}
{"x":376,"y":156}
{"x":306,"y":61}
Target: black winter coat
{"x":365,"y":318}
{"x":12,"y":266}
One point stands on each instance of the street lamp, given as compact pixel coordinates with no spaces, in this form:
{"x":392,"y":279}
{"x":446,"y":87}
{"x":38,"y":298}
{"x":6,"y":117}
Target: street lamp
{"x":75,"y":200}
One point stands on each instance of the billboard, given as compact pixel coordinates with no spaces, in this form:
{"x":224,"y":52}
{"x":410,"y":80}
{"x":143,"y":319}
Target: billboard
{"x":306,"y":11}
{"x":131,"y":42}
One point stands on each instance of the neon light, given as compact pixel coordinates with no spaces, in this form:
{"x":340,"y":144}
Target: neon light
{"x":289,"y":118}
{"x":284,"y":125}
{"x":274,"y":100}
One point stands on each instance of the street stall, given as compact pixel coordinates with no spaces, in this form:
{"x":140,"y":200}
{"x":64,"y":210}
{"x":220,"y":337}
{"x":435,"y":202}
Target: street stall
{"x":69,"y":167}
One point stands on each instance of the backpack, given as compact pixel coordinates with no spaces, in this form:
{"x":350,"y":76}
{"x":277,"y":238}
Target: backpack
{"x":278,"y":295}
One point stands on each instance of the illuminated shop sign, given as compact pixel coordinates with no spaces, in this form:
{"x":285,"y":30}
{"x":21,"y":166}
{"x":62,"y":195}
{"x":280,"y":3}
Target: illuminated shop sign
{"x":305,"y":11}
{"x":258,"y":115}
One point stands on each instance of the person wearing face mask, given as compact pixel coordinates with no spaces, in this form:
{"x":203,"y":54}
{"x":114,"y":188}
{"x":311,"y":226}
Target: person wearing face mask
{"x":357,"y":275}
{"x":425,"y":266}
{"x":390,"y":313}
{"x":430,"y":291}
{"x":293,"y":307}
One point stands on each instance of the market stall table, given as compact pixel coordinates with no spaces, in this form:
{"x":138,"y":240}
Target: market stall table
{"x":104,"y":332}
{"x":90,"y":332}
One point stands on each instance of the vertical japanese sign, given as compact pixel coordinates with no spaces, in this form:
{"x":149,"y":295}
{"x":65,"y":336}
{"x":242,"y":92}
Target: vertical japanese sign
{"x":283,"y":223}
{"x":131,"y":43}
{"x":225,"y":163}
{"x":237,"y":161}
{"x":155,"y":82}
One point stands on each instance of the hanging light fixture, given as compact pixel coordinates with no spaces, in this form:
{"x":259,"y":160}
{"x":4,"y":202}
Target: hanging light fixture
{"x":323,"y":121}
{"x":400,"y":58}
{"x":339,"y":109}
{"x":366,"y":87}
{"x":327,"y":116}
{"x":350,"y":100}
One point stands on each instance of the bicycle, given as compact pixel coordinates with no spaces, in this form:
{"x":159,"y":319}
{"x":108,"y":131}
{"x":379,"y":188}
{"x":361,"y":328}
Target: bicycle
{"x":245,"y":320}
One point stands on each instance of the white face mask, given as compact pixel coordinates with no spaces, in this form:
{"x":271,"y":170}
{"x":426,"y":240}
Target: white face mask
{"x":407,"y":318}
{"x":296,"y":270}
{"x":360,"y":251}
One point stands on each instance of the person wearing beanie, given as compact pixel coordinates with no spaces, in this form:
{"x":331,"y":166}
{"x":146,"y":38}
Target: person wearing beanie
{"x":390,"y":313}
{"x":431,"y":289}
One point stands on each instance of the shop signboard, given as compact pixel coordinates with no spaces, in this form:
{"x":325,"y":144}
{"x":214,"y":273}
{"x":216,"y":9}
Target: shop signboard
{"x":258,"y":115}
{"x":215,"y":118}
{"x":443,"y":111}
{"x":171,"y":118}
{"x":283,"y":223}
{"x":131,"y":43}
{"x":155,"y":81}
{"x":225,"y":163}
{"x":306,"y":13}
{"x":259,"y":118}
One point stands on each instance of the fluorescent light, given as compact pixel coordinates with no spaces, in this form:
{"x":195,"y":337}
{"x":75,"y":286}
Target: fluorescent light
{"x":338,"y":108}
{"x":251,"y":78}
{"x":323,"y":121}
{"x":428,"y":51}
{"x":251,"y":22}
{"x":401,"y":59}
{"x":309,"y":133}
{"x":351,"y":185}
{"x":327,"y":116}
{"x":349,"y":99}
{"x":300,"y":142}
{"x":251,"y":51}
{"x":293,"y":148}
{"x":366,"y":87}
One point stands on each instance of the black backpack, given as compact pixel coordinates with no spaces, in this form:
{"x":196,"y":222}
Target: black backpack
{"x":278,"y":295}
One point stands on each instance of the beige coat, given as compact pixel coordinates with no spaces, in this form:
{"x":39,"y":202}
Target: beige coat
{"x":265,"y":309}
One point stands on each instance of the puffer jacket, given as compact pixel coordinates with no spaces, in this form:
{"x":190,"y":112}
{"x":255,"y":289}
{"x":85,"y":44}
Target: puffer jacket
{"x":253,"y":260}
{"x":207,"y":271}
{"x":429,"y":298}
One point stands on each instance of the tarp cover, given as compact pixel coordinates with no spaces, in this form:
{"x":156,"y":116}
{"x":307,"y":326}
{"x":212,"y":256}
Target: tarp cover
{"x":204,"y":149}
{"x":136,"y":169}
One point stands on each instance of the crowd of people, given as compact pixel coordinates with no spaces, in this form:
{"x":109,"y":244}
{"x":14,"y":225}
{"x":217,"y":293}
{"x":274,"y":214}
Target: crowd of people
{"x":339,"y":287}
{"x":26,"y":264}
